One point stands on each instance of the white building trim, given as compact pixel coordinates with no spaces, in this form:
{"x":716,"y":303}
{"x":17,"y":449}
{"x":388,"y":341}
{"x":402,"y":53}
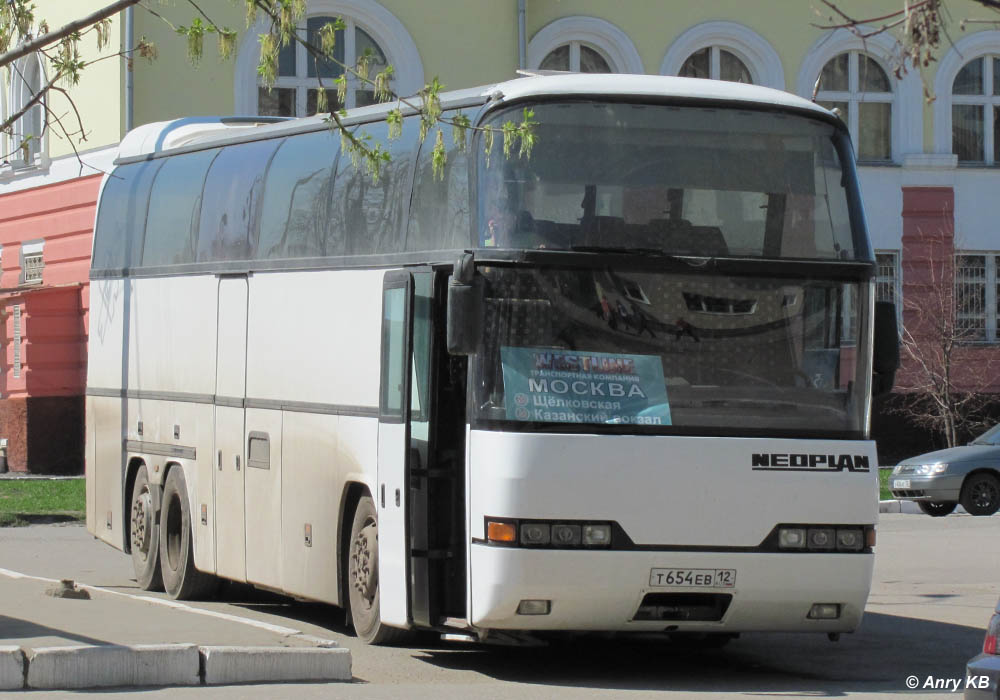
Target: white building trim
{"x":907,"y":104}
{"x":608,"y":40}
{"x":21,"y":92}
{"x":383,"y":26}
{"x":750,"y":47}
{"x":961,"y":52}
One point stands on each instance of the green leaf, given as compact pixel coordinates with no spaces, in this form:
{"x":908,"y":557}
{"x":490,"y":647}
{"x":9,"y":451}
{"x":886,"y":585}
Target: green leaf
{"x":488,"y":144}
{"x":439,"y":157}
{"x":460,"y":125}
{"x":395,"y":121}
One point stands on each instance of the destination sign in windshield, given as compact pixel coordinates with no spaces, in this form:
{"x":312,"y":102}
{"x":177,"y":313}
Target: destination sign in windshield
{"x":546,"y":385}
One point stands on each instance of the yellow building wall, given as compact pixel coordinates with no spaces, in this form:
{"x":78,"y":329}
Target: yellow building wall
{"x":462,"y":42}
{"x":98,"y":95}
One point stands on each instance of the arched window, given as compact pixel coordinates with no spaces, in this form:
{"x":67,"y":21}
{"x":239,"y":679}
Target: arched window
{"x":369,"y":27}
{"x":724,"y":51}
{"x":967,"y":108}
{"x":716,"y":63}
{"x":583,"y":45}
{"x":975,"y":111}
{"x":27,"y":139}
{"x":856,"y":85}
{"x":576,"y":57}
{"x":884,"y":112}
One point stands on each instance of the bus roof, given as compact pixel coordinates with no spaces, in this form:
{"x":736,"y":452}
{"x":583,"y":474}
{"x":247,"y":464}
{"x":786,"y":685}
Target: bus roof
{"x":160,"y":137}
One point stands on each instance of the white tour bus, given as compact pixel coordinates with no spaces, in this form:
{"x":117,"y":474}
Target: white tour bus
{"x":621,"y":385}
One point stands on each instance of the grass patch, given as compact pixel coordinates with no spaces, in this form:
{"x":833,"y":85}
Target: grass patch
{"x":23,"y":499}
{"x":884,"y":493}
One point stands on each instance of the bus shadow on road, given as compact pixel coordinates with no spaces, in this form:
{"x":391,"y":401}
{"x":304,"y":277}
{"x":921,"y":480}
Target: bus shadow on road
{"x":22,"y":632}
{"x":879,"y":657}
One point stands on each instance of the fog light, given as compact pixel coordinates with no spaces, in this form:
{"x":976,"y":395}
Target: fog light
{"x":791,"y":538}
{"x":534,"y":533}
{"x":822,"y":538}
{"x":597,"y":535}
{"x":824,"y":611}
{"x":565,"y":535}
{"x":534,"y":607}
{"x":850,"y":540}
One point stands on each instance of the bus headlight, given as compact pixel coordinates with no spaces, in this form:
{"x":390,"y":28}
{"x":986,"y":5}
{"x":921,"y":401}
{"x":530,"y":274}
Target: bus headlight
{"x":535,"y":533}
{"x":850,"y":539}
{"x":822,"y":538}
{"x":792,"y":538}
{"x":564,"y":535}
{"x":597,"y":535}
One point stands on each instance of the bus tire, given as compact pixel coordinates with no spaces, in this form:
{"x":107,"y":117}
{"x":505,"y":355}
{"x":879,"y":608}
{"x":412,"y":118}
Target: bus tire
{"x":981,"y":494}
{"x":181,"y":580}
{"x":144,"y":533}
{"x":362,"y":578}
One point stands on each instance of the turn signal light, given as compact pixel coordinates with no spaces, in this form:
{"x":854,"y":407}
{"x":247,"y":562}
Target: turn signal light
{"x":501,"y":532}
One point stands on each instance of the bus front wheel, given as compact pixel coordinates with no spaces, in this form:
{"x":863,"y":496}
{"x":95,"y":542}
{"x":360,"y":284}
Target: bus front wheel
{"x":181,"y":580}
{"x":362,"y":578}
{"x":144,"y":532}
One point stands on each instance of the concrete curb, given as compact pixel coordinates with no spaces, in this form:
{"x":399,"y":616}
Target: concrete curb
{"x":57,"y":668}
{"x":11,"y":668}
{"x":227,"y":665}
{"x":150,"y":665}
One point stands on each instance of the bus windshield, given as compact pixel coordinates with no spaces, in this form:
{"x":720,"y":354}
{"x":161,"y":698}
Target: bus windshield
{"x":673,"y":352}
{"x":682,"y":180}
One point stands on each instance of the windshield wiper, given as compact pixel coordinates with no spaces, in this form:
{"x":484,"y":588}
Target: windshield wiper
{"x":621,"y":250}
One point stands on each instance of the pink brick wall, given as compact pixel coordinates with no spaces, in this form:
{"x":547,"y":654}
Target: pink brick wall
{"x":55,"y":314}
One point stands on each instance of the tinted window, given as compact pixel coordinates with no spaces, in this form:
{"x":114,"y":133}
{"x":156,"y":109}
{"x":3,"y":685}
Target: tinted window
{"x":232,"y":192}
{"x":122,"y":218}
{"x":373,"y":210}
{"x":439,"y":214}
{"x":171,"y":227}
{"x":295,"y":208}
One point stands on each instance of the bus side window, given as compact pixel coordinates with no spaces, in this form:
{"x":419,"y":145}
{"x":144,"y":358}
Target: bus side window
{"x":118,"y":238}
{"x":439,"y":214}
{"x":232,"y":194}
{"x":174,"y":209}
{"x":373,"y":210}
{"x":295,"y":218}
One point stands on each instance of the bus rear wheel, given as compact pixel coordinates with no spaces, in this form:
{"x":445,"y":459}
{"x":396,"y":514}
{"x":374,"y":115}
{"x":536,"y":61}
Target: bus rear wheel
{"x":144,"y":533}
{"x":362,"y":578}
{"x":181,"y":580}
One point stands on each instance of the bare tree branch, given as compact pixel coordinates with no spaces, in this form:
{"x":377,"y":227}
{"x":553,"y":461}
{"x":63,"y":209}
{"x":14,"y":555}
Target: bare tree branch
{"x":29,"y":47}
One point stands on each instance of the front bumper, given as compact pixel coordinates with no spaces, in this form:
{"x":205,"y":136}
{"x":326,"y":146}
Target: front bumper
{"x":942,"y":487}
{"x":987,"y":665}
{"x":602,"y":590}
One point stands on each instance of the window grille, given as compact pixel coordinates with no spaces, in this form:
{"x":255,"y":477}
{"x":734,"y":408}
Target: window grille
{"x":32,"y":270}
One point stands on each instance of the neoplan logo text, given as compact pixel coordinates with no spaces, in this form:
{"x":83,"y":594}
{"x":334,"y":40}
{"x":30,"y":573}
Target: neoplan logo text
{"x":765,"y":461}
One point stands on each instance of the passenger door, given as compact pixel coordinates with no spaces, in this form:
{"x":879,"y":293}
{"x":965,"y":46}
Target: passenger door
{"x":391,"y":501}
{"x":229,"y":458}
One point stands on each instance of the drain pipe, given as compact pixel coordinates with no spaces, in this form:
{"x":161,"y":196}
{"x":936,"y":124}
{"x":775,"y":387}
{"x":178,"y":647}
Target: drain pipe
{"x":129,"y":68}
{"x":522,"y":51}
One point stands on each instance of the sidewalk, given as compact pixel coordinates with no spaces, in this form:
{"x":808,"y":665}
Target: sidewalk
{"x":111,"y":639}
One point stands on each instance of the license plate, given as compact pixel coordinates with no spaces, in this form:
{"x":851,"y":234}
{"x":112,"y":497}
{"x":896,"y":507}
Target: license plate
{"x":693,"y":578}
{"x":901,"y":484}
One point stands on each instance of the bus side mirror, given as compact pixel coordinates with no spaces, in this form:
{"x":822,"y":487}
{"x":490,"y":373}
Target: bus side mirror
{"x":465,"y":308}
{"x":885,"y":357}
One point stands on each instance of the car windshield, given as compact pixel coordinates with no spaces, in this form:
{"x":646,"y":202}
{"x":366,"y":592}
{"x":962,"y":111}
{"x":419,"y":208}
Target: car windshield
{"x":990,"y":437}
{"x":682,"y":180}
{"x":672,"y":352}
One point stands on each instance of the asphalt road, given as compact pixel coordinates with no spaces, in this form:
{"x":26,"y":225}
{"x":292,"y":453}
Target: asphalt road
{"x":936,"y":582}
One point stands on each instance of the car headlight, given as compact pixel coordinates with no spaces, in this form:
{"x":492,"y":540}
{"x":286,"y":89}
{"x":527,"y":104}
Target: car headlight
{"x":930,"y":469}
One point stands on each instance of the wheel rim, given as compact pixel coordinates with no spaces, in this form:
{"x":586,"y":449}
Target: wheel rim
{"x":141,"y":522}
{"x":173,"y":532}
{"x":364,"y":563}
{"x":984,"y":494}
